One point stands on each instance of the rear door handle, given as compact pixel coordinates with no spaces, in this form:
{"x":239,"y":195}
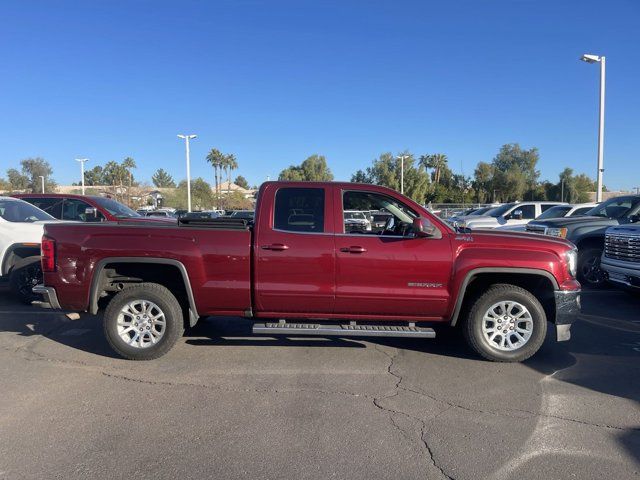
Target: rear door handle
{"x":278,"y":247}
{"x":353,"y":249}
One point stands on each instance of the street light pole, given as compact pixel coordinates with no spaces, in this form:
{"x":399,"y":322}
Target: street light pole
{"x":42,"y":182}
{"x":186,"y":142}
{"x":402,"y":157}
{"x":82,"y":162}
{"x":602,"y":61}
{"x":562,"y":191}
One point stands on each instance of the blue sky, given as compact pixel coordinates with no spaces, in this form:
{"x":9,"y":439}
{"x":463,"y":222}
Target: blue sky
{"x":274,"y":82}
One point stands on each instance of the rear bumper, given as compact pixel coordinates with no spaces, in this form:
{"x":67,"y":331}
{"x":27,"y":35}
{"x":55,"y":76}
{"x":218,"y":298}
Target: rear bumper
{"x":49,"y":297}
{"x":567,"y":311}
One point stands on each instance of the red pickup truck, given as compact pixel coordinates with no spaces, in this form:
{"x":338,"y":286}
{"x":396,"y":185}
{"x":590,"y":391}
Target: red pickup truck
{"x":295,"y":270}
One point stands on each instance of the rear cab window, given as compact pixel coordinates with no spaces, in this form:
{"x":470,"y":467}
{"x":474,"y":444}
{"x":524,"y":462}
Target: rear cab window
{"x":299,"y":209}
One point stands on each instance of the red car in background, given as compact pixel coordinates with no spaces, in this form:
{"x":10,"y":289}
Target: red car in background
{"x":87,"y":208}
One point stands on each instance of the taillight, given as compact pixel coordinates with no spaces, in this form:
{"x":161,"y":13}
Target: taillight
{"x":48,"y":254}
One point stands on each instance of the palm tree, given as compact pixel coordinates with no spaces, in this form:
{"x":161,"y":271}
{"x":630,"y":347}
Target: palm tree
{"x":216,"y":158}
{"x":230,"y":164}
{"x":437,"y":161}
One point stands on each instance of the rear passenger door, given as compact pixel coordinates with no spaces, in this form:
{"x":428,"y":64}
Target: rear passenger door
{"x":295,"y":252}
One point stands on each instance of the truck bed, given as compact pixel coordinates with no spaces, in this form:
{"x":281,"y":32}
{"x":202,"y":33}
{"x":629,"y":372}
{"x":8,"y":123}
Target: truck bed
{"x":216,"y":258}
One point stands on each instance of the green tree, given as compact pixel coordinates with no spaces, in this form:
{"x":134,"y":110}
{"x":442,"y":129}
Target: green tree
{"x":216,"y":158}
{"x":16,"y":180}
{"x":515,"y":171}
{"x":483,"y":182}
{"x":94,"y":176}
{"x":313,"y":169}
{"x":201,"y":195}
{"x":33,"y":169}
{"x":128,"y":164}
{"x":386,"y":171}
{"x":241,"y":182}
{"x":162,"y":179}
{"x":230,"y":164}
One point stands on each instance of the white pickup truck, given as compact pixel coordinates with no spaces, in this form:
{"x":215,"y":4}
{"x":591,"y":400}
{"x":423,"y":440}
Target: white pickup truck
{"x":21,"y":228}
{"x":516,"y":213}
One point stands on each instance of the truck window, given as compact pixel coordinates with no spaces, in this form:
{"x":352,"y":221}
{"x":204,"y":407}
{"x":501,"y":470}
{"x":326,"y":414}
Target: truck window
{"x":356,"y":206}
{"x":76,"y":210}
{"x":528,"y":211}
{"x":53,"y":206}
{"x":299,"y":210}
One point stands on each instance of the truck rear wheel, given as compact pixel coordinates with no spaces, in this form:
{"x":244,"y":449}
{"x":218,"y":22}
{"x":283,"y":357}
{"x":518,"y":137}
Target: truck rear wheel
{"x":143,"y":321}
{"x":506,"y":324}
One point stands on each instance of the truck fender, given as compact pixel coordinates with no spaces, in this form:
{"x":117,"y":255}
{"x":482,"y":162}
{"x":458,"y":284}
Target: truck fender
{"x":98,"y":272}
{"x":478,"y":271}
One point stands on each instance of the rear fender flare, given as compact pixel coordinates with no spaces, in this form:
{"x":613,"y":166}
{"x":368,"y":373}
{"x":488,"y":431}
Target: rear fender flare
{"x":99,"y":271}
{"x":478,"y":271}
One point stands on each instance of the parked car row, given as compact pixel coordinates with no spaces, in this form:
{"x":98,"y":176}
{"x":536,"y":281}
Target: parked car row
{"x":589,"y":231}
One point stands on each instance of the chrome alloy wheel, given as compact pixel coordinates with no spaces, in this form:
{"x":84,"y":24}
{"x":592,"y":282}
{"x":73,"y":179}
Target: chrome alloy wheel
{"x":141,"y":323}
{"x":507,"y":326}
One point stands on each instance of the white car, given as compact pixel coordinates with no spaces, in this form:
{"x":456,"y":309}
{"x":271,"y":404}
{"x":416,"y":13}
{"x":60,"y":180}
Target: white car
{"x":517,"y":213}
{"x":559,"y":211}
{"x":21,"y":228}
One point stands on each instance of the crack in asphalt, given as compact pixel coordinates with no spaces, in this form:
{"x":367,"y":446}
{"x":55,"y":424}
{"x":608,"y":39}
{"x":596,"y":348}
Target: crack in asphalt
{"x":423,"y":425}
{"x":27,"y":351}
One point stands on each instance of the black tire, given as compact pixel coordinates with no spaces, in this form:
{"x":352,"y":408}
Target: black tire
{"x":473,"y":324}
{"x":165,"y":301}
{"x":589,"y":272}
{"x":26,"y":274}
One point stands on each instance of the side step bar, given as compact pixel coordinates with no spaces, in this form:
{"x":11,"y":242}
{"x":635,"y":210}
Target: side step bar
{"x":348,"y":330}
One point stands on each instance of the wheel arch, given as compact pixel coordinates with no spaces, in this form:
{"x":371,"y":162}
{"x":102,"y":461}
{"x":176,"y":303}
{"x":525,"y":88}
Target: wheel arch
{"x":16,"y":252}
{"x":531,"y":279}
{"x":100,"y":280}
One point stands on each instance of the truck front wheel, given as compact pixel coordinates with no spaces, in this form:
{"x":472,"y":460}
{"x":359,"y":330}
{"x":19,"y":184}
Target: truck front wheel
{"x":506,"y":324}
{"x":143,"y":321}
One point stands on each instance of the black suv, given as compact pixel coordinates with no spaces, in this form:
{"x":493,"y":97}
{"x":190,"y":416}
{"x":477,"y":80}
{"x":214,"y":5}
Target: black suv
{"x":588,"y":231}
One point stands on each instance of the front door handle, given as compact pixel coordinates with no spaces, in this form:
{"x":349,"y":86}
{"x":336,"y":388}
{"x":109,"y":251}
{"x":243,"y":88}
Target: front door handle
{"x":353,"y":249}
{"x":278,"y":247}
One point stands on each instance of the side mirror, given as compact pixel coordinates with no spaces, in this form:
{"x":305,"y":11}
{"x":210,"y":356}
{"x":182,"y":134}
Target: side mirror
{"x":423,"y":227}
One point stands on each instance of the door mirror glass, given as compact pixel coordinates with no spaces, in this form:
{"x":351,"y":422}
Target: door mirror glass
{"x":423,"y":227}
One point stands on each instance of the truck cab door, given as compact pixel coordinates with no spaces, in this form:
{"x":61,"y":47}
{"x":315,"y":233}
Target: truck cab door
{"x":294,"y":251}
{"x":389,"y":272}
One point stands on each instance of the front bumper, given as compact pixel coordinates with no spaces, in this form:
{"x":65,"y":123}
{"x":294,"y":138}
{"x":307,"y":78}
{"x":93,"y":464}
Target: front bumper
{"x":49,"y":297}
{"x":567,"y":311}
{"x":621,"y":275}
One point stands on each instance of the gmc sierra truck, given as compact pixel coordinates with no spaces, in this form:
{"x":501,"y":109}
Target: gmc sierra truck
{"x":587,"y":233}
{"x":621,"y":257}
{"x":295,"y":269}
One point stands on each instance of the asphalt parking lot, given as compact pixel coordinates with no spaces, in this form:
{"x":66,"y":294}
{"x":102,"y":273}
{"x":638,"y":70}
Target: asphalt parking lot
{"x":223,"y":404}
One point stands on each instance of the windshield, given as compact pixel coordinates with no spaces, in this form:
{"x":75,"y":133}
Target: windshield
{"x":616,"y":207}
{"x":114,"y":208}
{"x":19,"y":211}
{"x":499,"y":211}
{"x":481,"y":211}
{"x":354,"y":215}
{"x":558,"y":211}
